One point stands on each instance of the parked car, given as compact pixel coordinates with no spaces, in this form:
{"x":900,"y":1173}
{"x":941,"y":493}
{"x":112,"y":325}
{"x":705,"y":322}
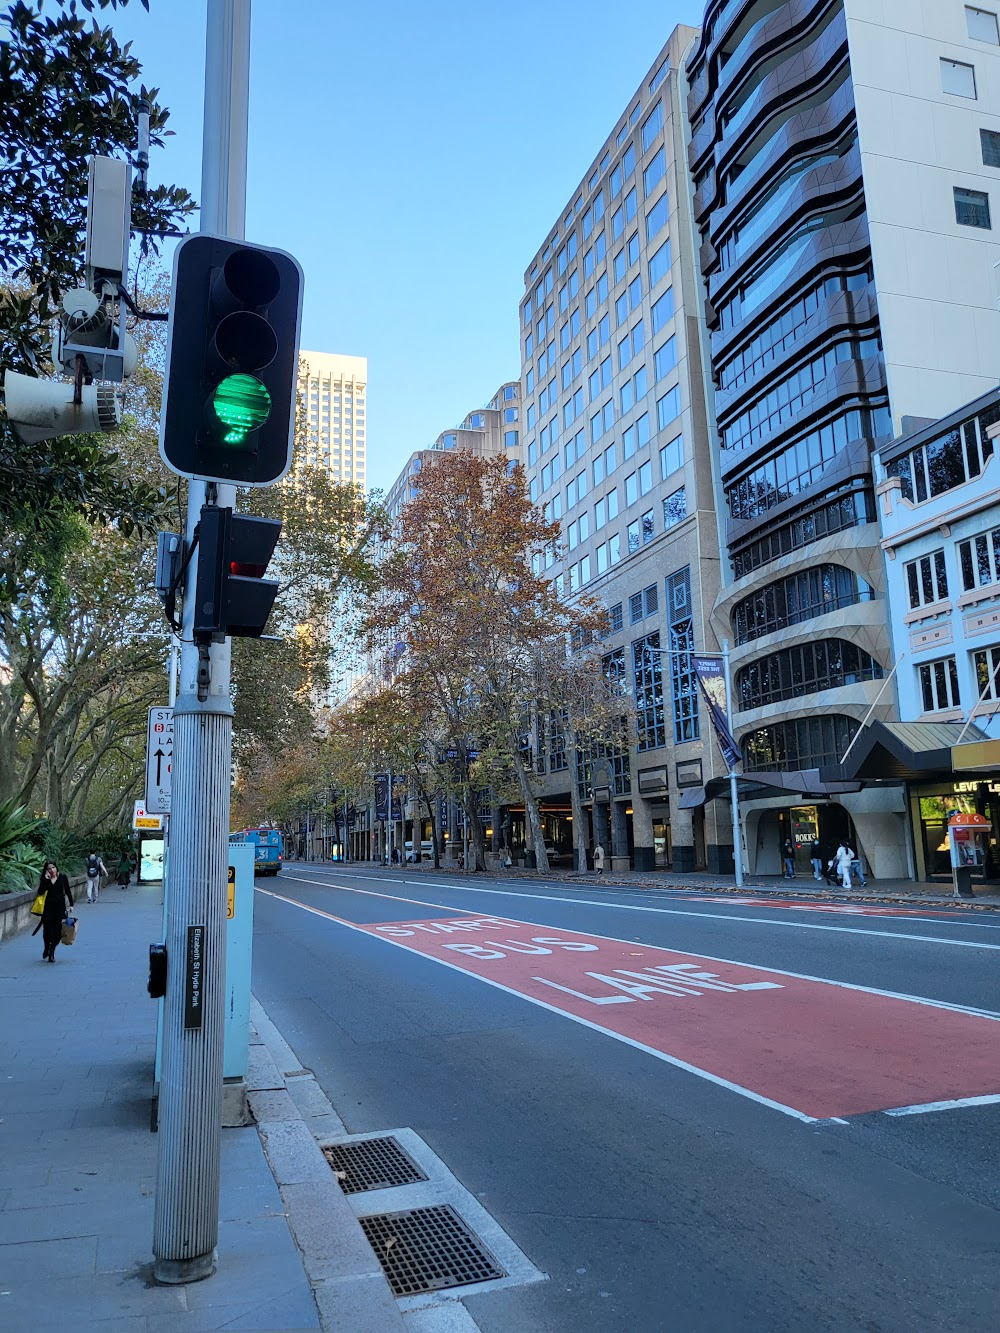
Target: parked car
{"x":553,"y":855}
{"x":426,"y":850}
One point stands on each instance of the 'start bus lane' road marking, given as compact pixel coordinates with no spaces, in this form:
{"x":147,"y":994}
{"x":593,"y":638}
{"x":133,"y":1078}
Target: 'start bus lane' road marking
{"x":812,"y":1048}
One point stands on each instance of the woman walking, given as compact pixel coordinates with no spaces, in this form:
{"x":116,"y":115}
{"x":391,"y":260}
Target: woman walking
{"x":58,"y":901}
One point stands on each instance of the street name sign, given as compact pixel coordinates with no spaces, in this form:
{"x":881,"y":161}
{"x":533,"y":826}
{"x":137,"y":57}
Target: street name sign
{"x":159,"y":760}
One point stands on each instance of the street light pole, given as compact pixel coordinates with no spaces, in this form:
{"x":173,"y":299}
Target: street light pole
{"x":186,"y":1216}
{"x":734,"y":797}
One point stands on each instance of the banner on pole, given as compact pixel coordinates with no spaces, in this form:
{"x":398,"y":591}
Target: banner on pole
{"x":381,"y":795}
{"x":711,"y":675}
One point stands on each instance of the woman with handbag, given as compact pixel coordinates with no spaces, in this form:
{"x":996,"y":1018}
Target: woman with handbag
{"x":58,"y":901}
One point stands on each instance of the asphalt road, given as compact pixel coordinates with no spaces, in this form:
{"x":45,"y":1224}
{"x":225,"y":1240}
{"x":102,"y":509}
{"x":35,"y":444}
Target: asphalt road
{"x":693,"y":1113}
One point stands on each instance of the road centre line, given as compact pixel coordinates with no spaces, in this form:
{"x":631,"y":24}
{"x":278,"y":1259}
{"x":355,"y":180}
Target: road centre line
{"x":662,"y":911}
{"x":711,"y":958}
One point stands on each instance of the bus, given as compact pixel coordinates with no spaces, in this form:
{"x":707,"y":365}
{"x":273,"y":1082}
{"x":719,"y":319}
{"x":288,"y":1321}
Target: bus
{"x":268,"y":848}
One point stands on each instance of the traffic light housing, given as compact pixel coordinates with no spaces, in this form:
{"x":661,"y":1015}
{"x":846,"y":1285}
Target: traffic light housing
{"x":232,"y":362}
{"x":232,"y":597}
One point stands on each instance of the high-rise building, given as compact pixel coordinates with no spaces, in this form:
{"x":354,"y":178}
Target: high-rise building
{"x":844,"y":155}
{"x":335,"y":391}
{"x":485,"y":432}
{"x":617,"y":447}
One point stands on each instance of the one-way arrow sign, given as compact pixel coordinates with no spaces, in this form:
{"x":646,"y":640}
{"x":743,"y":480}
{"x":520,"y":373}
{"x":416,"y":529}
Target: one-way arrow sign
{"x":159,"y":760}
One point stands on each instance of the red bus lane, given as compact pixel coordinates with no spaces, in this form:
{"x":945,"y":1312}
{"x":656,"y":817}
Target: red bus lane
{"x":812,"y":1048}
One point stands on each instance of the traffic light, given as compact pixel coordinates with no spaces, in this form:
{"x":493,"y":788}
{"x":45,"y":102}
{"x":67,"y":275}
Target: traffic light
{"x":231,"y":594}
{"x":232,"y":362}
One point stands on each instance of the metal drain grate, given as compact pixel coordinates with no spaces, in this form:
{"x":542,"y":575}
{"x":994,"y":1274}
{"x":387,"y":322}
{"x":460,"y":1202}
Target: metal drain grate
{"x":428,"y":1249}
{"x":372,"y":1164}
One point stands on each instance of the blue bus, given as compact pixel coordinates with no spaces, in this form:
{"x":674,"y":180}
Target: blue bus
{"x":268,"y":848}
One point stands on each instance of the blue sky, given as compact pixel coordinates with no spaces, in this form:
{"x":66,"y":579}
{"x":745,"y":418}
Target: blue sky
{"x":412,"y":158}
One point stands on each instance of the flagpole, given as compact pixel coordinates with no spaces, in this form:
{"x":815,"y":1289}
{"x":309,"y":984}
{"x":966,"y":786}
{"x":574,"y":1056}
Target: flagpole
{"x":733,"y":790}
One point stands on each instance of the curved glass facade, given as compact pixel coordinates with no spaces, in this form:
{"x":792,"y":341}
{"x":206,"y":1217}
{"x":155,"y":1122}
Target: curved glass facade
{"x":795,"y":348}
{"x":805,"y":668}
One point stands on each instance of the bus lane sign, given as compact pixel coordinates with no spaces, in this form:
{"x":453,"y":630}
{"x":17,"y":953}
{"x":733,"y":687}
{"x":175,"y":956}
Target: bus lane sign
{"x":815,"y":1049}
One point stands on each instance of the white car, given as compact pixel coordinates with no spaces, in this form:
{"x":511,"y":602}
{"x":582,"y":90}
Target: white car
{"x":426,"y":851}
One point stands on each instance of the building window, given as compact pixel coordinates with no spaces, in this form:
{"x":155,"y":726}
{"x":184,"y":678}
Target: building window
{"x":663,"y":309}
{"x":825,"y":664}
{"x":798,"y":598}
{"x":939,"y":685}
{"x":972,"y":208}
{"x":926,"y":580}
{"x":958,"y":79}
{"x":675,"y":507}
{"x":654,"y":173}
{"x":684,"y":686}
{"x":990,"y":140}
{"x":656,"y":218}
{"x":650,"y":719}
{"x":790,"y":747}
{"x":948,"y":461}
{"x":633,"y":534}
{"x":659,"y":265}
{"x":615,"y":619}
{"x":987,"y":664}
{"x":979,"y":558}
{"x":981,"y":25}
{"x":648,"y":527}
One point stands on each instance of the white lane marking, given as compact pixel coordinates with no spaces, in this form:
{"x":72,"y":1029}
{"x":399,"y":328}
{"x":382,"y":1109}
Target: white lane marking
{"x":988,"y":1100}
{"x":542,"y":1004}
{"x":673,"y":911}
{"x":711,"y":958}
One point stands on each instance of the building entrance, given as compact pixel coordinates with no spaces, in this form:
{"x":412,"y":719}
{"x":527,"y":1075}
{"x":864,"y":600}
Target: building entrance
{"x":932,"y":804}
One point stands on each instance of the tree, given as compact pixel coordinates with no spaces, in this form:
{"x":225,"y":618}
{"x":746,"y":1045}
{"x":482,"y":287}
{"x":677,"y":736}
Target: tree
{"x":466,"y":603}
{"x":67,"y":91}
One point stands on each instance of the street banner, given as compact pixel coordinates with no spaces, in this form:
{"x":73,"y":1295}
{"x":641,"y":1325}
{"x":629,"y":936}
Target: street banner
{"x":711,"y":675}
{"x":381,"y":795}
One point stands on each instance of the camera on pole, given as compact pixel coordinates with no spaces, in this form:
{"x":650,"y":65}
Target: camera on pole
{"x":232,"y":362}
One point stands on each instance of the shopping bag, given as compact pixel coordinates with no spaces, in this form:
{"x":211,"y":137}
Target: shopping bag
{"x":38,"y":906}
{"x":69,"y":930}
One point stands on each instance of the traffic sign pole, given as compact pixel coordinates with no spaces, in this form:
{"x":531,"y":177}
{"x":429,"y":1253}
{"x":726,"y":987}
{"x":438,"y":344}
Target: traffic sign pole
{"x":186,"y":1217}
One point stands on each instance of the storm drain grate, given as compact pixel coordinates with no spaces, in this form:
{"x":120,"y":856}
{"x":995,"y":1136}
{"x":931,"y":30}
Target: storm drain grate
{"x":428,"y":1249}
{"x":372,"y":1164}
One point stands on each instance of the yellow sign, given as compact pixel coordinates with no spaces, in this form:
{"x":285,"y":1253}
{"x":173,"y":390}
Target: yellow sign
{"x":147,"y":821}
{"x":981,"y":755}
{"x":231,"y":894}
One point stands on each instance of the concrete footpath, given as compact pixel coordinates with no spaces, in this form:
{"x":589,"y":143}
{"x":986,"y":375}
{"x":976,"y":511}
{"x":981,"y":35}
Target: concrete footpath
{"x":78,"y":1161}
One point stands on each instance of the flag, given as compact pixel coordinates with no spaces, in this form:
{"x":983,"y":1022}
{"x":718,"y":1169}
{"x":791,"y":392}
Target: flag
{"x":381,"y":795}
{"x":712,"y":679}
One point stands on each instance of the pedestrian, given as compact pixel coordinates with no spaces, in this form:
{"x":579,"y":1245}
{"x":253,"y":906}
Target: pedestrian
{"x":599,"y":859}
{"x":96,"y":872}
{"x":58,"y":901}
{"x":124,"y":874}
{"x":858,"y":869}
{"x":788,"y":856}
{"x":844,"y":859}
{"x":816,"y":859}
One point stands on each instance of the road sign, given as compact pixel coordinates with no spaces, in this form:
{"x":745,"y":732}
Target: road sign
{"x":141,"y":818}
{"x":159,"y":760}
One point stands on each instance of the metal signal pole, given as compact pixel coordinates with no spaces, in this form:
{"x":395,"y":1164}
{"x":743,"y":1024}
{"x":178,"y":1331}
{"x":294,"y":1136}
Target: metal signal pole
{"x":186,"y":1219}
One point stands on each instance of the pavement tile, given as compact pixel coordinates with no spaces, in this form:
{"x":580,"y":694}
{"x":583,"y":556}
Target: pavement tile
{"x":270,"y":1106}
{"x":318,"y":1211}
{"x":291,"y":1149}
{"x":76,"y":1205}
{"x":28,"y":1262}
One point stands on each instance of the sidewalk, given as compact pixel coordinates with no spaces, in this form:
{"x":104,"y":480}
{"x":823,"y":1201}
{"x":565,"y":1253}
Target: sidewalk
{"x":78,"y":1161}
{"x":803,"y":886}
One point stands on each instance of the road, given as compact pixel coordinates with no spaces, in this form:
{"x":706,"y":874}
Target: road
{"x":694,"y":1113}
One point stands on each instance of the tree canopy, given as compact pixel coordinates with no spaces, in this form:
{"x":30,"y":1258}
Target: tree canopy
{"x":68,"y":90}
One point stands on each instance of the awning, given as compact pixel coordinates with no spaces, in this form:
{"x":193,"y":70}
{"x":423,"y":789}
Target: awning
{"x":804,"y":784}
{"x":904,"y":752}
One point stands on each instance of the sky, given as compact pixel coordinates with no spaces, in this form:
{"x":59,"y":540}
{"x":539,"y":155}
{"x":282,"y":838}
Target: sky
{"x":412,"y":157}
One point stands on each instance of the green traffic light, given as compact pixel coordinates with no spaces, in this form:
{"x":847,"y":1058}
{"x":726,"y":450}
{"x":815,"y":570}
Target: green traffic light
{"x":242,"y":404}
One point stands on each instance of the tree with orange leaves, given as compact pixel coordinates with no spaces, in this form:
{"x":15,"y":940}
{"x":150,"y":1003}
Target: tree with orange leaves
{"x":465,"y":619}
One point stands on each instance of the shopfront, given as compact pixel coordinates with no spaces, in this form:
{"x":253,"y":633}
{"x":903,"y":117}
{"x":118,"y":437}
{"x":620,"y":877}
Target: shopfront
{"x":931,"y":806}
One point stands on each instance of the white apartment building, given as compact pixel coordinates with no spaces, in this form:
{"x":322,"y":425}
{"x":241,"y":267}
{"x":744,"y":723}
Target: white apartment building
{"x":335,"y":391}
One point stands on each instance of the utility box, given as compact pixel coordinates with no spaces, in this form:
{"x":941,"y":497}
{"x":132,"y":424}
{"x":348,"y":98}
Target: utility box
{"x":239,"y":956}
{"x":109,"y":220}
